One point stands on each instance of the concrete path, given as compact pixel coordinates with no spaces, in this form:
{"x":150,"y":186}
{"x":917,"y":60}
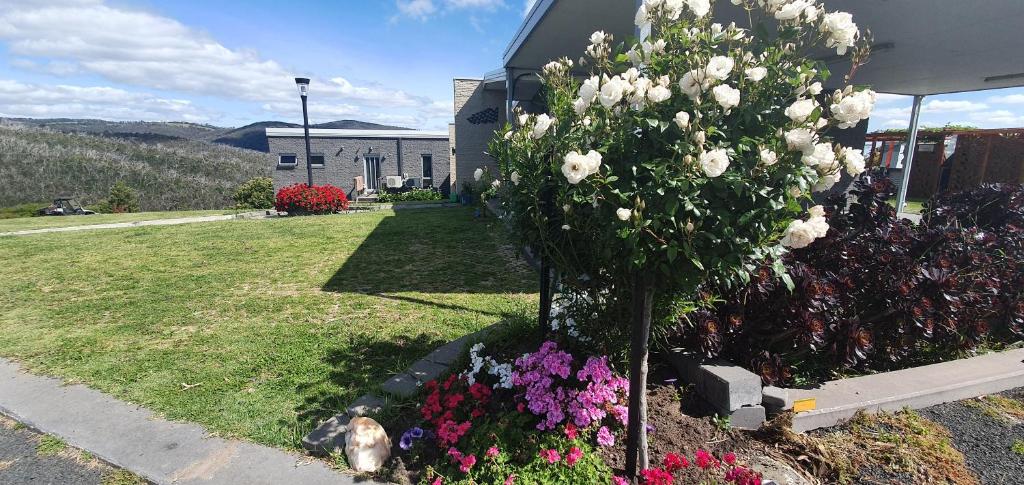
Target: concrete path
{"x":158,"y":450}
{"x":155,"y":222}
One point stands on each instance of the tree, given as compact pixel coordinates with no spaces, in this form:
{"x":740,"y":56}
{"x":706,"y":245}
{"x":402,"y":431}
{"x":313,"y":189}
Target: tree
{"x":123,"y":198}
{"x":680,"y":160}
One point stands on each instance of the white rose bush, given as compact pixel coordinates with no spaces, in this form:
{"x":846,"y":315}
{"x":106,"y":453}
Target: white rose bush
{"x":685,"y":158}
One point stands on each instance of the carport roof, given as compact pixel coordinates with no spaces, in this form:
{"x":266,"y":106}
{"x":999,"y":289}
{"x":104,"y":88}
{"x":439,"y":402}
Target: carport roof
{"x":923,"y":47}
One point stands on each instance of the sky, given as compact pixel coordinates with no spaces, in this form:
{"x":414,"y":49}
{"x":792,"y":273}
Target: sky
{"x":232,"y":62}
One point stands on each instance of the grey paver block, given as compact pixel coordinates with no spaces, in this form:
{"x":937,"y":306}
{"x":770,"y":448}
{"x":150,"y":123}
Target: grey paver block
{"x":722,"y":384}
{"x":748,"y":417}
{"x":447,"y":354}
{"x":366,"y":405}
{"x":426,"y":370}
{"x":402,"y":385}
{"x":776,"y":398}
{"x":327,"y":437}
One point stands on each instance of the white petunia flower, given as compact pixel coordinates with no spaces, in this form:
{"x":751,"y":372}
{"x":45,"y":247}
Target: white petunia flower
{"x":756,"y":74}
{"x":623,"y":214}
{"x":801,"y":110}
{"x":842,"y":32}
{"x":727,"y":96}
{"x":714,"y":162}
{"x":541,"y":126}
{"x":801,"y":139}
{"x":682,"y":120}
{"x":768,"y":157}
{"x":719,"y":67}
{"x":854,"y":160}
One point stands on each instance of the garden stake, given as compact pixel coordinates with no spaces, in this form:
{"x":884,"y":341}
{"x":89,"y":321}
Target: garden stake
{"x":636,"y":437}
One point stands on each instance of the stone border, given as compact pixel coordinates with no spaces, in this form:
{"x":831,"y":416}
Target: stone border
{"x":330,"y":435}
{"x":738,"y":394}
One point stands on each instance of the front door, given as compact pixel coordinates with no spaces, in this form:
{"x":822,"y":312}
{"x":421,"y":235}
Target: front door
{"x":371,"y":172}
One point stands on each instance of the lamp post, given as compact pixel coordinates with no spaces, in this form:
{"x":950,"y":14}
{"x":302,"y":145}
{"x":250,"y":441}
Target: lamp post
{"x":303,"y":84}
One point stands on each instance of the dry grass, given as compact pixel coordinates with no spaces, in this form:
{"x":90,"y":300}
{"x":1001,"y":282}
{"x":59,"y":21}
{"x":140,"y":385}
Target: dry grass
{"x":1001,"y":408}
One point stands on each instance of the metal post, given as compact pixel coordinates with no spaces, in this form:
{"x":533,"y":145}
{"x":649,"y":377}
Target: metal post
{"x":305,"y":125}
{"x":510,"y":93}
{"x":908,"y":157}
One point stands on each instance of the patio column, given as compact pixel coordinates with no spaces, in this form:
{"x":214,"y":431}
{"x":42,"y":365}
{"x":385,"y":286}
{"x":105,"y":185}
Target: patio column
{"x":911,"y":148}
{"x":510,"y":93}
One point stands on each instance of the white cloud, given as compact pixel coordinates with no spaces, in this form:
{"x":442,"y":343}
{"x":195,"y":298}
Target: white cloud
{"x":417,"y":9}
{"x":43,"y":101}
{"x":1009,"y":99}
{"x":944,"y":106}
{"x":137,"y":48}
{"x":424,"y":9}
{"x":998,"y":119}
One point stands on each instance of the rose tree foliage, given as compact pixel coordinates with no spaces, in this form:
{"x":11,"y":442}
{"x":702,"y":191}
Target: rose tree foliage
{"x":687,"y":156}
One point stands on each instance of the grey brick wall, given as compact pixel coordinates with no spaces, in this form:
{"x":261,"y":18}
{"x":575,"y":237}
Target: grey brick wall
{"x":472,"y":139}
{"x":343,"y":159}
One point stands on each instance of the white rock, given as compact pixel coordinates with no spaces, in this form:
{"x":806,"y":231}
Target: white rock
{"x":367,"y":445}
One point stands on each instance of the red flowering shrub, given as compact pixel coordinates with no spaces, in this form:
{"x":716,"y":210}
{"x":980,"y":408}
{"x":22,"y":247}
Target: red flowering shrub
{"x":302,"y":199}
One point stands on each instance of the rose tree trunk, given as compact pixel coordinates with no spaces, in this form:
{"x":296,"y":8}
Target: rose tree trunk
{"x":636,"y":437}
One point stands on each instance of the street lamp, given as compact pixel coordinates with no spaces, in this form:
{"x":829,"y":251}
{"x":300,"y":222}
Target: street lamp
{"x":303,"y":84}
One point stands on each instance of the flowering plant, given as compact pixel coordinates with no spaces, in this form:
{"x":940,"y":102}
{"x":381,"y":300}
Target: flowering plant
{"x":687,"y":154}
{"x":703,"y":468}
{"x":303,"y":199}
{"x":450,"y":410}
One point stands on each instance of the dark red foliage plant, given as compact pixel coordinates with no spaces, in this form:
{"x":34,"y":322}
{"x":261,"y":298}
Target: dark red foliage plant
{"x":878,"y":293}
{"x":301,"y":199}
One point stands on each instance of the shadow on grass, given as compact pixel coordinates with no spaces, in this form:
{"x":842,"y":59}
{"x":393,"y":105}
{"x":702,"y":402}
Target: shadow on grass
{"x":356,"y":367}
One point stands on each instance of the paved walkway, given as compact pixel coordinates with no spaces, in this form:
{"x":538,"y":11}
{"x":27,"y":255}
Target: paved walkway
{"x":155,"y":222}
{"x":133,"y":438}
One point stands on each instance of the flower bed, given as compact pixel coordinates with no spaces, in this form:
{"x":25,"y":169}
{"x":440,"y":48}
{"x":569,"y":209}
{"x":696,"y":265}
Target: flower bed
{"x":301,"y":199}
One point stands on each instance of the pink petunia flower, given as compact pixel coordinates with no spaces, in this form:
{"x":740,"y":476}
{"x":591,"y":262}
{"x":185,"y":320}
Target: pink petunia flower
{"x":551,"y":456}
{"x":573,"y":456}
{"x":493,"y":452}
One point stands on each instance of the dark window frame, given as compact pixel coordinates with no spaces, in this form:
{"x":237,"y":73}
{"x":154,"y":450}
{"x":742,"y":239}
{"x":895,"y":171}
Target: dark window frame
{"x":323,"y":158}
{"x":282,"y":164}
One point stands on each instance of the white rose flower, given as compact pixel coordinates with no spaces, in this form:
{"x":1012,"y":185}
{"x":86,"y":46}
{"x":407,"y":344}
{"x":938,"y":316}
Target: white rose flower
{"x":792,"y":10}
{"x":523,"y":118}
{"x":541,"y":126}
{"x":700,"y":8}
{"x":854,"y":159}
{"x":592,"y":162}
{"x":598,"y":38}
{"x":508,"y":134}
{"x":815,"y":89}
{"x":826,"y":182}
{"x":659,"y":94}
{"x":514,"y":177}
{"x":478,"y":174}
{"x":727,"y":96}
{"x":795,"y":191}
{"x":756,"y":74}
{"x":822,"y":156}
{"x":623,"y":214}
{"x":719,"y":67}
{"x":816,"y":211}
{"x":694,"y":83}
{"x":714,"y":162}
{"x":580,"y":106}
{"x":496,"y":183}
{"x":589,"y":89}
{"x":799,"y":235}
{"x":800,"y":139}
{"x":801,"y":110}
{"x":566,"y":227}
{"x":768,"y":157}
{"x":842,"y":32}
{"x":819,"y":225}
{"x":682,"y":120}
{"x":612,"y":92}
{"x":811,"y":14}
{"x":642,"y":16}
{"x":853,"y":108}
{"x":574,"y":167}
{"x":699,"y":138}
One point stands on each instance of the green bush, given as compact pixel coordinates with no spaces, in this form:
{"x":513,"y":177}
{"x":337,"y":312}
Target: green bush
{"x":123,"y":198}
{"x":257,"y":193}
{"x":414,"y":195}
{"x":21,"y":210}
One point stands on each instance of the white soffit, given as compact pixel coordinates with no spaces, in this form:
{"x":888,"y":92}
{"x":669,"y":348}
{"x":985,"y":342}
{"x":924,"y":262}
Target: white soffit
{"x":926,"y":47}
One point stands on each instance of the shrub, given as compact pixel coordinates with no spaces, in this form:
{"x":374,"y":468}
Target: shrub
{"x":257,"y":193}
{"x":410,"y":196}
{"x":21,"y":210}
{"x":122,"y":198}
{"x":300,"y":199}
{"x":878,"y":293}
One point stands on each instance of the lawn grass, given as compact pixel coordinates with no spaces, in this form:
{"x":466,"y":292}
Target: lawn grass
{"x":913,"y":206}
{"x":27,"y":223}
{"x":255,"y":329}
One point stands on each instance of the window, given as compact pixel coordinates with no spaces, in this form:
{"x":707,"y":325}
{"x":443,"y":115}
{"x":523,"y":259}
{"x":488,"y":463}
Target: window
{"x":287,"y":160}
{"x":428,"y":166}
{"x":317,"y":160}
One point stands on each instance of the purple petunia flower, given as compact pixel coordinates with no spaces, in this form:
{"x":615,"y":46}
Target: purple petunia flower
{"x":405,"y":442}
{"x":416,"y":432}
{"x":605,"y":437}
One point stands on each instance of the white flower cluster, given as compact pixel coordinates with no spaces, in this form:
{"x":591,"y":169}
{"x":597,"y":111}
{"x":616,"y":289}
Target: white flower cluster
{"x":801,"y":234}
{"x":670,"y":9}
{"x":503,"y":371}
{"x":636,"y":89}
{"x":560,"y":67}
{"x":558,"y":317}
{"x":600,"y":45}
{"x":850,"y":108}
{"x":541,"y":124}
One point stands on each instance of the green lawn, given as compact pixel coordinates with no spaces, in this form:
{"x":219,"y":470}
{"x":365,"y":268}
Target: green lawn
{"x":26,"y":223}
{"x":256,"y":329}
{"x":913,"y":206}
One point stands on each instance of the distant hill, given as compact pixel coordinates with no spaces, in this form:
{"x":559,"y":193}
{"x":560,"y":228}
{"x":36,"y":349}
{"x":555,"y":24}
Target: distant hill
{"x":169,"y":171}
{"x":252,"y":137}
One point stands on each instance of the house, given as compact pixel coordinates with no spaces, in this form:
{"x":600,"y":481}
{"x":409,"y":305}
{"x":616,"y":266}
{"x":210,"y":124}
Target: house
{"x":360,"y":161}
